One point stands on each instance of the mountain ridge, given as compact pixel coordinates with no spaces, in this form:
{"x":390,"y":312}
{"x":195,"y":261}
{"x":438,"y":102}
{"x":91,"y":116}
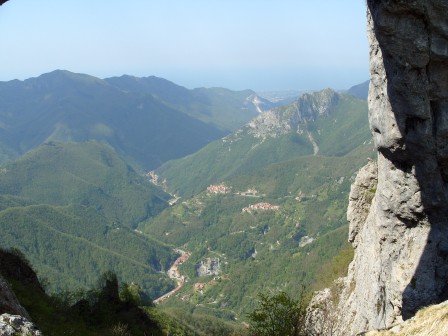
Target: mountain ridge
{"x":289,"y":118}
{"x":147,"y":129}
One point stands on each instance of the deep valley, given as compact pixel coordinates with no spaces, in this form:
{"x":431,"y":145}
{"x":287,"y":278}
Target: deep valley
{"x":131,"y":175}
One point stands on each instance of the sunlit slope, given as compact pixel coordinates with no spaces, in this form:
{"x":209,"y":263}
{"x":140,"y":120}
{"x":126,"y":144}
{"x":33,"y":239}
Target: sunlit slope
{"x":302,"y":227}
{"x":279,"y":221}
{"x":323,"y":123}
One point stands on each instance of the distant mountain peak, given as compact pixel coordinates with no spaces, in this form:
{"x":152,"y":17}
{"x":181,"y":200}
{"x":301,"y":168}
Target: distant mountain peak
{"x":148,"y":119}
{"x":60,"y":80}
{"x":360,"y":91}
{"x":289,"y":118}
{"x":65,"y":74}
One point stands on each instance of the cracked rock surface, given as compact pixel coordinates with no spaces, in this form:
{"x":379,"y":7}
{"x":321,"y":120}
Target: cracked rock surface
{"x":401,"y":242}
{"x":16,"y":325}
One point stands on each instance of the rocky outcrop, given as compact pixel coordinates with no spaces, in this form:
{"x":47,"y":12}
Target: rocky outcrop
{"x":15,"y":325}
{"x":360,"y":199}
{"x":294,"y":116}
{"x":430,"y":321}
{"x":322,"y":316}
{"x":401,"y":242}
{"x":14,"y":319}
{"x":8,"y":301}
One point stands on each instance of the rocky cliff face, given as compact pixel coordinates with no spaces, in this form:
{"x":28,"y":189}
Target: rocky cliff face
{"x":294,"y":116}
{"x":16,"y":325}
{"x":14,"y":319}
{"x":8,"y":301}
{"x":401,"y":242}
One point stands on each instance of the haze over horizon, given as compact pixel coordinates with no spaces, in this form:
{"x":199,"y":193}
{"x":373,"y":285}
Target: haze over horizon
{"x":283,"y":45}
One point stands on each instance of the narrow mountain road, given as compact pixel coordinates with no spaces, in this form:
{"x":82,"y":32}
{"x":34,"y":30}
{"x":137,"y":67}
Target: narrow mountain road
{"x":174,"y":274}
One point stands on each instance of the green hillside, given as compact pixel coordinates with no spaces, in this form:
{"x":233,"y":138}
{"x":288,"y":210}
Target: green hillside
{"x":72,"y":208}
{"x":263,"y":141}
{"x":262,"y":250}
{"x":228,"y":157}
{"x":279,"y":219}
{"x":360,"y":90}
{"x":78,"y":208}
{"x":90,"y":174}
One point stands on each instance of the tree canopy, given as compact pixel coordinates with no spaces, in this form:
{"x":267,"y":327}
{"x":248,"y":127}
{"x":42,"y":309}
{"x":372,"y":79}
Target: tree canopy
{"x":278,"y":315}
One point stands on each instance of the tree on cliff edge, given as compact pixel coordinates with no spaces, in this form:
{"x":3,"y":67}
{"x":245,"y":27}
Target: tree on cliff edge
{"x":278,"y":315}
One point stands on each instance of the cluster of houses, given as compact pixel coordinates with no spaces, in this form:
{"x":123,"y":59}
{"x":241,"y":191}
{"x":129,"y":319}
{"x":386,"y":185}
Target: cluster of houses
{"x":173,"y":273}
{"x":218,"y":189}
{"x":154,"y":179}
{"x":223,"y":189}
{"x":263,"y":206}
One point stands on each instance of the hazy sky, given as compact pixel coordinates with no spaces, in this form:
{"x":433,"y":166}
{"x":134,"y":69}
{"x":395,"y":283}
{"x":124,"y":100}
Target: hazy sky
{"x":257,"y":44}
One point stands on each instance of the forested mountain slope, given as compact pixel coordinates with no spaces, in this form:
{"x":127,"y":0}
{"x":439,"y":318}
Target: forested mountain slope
{"x":269,"y":201}
{"x":223,"y":108}
{"x":72,"y":208}
{"x":147,"y":120}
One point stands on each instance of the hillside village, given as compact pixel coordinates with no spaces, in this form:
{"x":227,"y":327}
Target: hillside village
{"x":251,"y":192}
{"x":174,"y":274}
{"x":263,"y":206}
{"x":218,"y":189}
{"x":223,"y":189}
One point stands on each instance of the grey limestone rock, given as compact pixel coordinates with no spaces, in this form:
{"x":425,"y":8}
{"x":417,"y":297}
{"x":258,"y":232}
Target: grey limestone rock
{"x":16,"y":325}
{"x":401,"y":242}
{"x":9,"y":302}
{"x":361,"y":196}
{"x":293,"y":117}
